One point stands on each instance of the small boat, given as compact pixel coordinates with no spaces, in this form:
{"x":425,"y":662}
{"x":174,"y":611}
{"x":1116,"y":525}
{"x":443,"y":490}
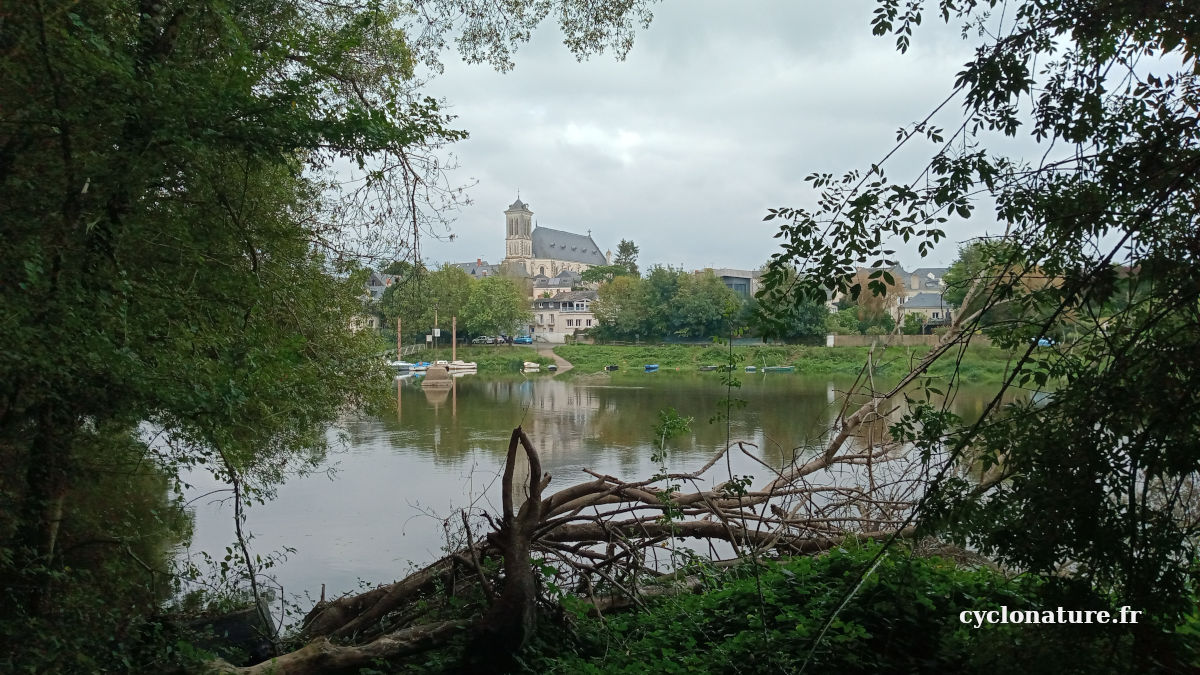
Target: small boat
{"x":751,"y":369}
{"x":442,"y":362}
{"x":463,"y":365}
{"x":651,"y":367}
{"x":779,"y":369}
{"x":707,"y":369}
{"x":610,"y":368}
{"x":402,"y":366}
{"x":421,"y":366}
{"x":532,"y":367}
{"x":552,"y":367}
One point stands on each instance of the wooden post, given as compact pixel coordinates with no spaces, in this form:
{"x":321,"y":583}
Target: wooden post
{"x":398,"y":339}
{"x":453,"y":339}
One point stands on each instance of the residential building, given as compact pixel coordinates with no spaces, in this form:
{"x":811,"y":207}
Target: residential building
{"x":478,"y":269}
{"x":931,"y":306}
{"x":377,"y":283}
{"x":544,"y":286}
{"x":921,"y":280}
{"x":743,"y":282}
{"x":567,"y":313}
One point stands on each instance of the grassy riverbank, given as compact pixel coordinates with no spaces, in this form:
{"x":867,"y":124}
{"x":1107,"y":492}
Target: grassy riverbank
{"x":978,"y":364}
{"x":492,"y":359}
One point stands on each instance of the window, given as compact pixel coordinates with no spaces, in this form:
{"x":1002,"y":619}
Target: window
{"x":570,"y":322}
{"x":589,"y":322}
{"x":935,"y":315}
{"x":539,"y":318}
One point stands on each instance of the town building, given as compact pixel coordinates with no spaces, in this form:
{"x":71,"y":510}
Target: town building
{"x":548,"y":287}
{"x":922,"y":294}
{"x":921,"y":280}
{"x":478,"y":269}
{"x":563,"y":316}
{"x":377,"y":283}
{"x":743,"y":282}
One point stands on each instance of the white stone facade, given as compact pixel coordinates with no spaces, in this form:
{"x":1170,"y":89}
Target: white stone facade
{"x":566,"y":314}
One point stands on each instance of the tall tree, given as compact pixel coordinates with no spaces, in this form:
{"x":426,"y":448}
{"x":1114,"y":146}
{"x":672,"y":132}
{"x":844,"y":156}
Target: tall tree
{"x":660,"y":287}
{"x":702,"y":307}
{"x":877,"y":299}
{"x":170,"y":261}
{"x":1096,"y":478}
{"x":602,"y":274}
{"x":627,"y":253}
{"x":425,"y":300}
{"x":778,"y":314}
{"x":619,"y":309}
{"x":496,"y":305}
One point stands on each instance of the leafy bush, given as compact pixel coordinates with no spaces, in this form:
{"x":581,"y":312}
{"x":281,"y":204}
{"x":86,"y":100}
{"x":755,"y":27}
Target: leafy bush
{"x":904,"y":618}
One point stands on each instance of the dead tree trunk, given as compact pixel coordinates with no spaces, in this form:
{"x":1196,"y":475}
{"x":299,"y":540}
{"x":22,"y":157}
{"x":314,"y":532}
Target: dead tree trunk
{"x":510,"y":621}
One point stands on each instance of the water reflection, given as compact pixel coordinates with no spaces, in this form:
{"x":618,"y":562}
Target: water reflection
{"x":402,"y":471}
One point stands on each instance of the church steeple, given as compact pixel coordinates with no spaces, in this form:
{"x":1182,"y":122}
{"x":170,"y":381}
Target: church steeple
{"x":519,"y":231}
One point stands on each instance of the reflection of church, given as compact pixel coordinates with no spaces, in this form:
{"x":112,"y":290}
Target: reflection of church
{"x":533,"y":251}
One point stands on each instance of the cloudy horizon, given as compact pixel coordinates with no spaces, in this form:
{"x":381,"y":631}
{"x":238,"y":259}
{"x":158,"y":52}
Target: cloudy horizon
{"x":716,"y":115}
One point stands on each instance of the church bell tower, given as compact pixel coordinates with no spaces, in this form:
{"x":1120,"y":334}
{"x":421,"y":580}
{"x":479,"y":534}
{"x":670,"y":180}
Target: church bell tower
{"x":519,"y":233}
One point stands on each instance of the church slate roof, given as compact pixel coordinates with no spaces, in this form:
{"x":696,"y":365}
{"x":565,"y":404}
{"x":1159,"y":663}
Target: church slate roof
{"x":559,"y":245}
{"x":518,"y":205}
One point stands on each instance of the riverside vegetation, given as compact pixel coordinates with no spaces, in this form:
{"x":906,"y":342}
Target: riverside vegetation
{"x":977,"y":365}
{"x":181,"y":257}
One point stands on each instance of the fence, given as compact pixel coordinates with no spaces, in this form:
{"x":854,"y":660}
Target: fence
{"x":895,"y":340}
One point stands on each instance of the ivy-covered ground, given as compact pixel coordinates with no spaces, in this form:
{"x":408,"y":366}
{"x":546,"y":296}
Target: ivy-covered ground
{"x":904,"y":618}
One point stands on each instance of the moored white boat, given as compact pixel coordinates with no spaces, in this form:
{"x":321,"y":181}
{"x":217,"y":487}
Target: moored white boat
{"x":463,"y":365}
{"x":401,"y":366}
{"x":532,"y":367}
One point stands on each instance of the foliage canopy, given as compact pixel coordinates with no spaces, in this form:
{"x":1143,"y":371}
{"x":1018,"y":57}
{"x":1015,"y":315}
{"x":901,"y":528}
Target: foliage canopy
{"x":1098,"y":476}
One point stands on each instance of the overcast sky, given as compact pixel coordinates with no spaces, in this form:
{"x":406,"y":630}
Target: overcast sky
{"x":717,"y":114}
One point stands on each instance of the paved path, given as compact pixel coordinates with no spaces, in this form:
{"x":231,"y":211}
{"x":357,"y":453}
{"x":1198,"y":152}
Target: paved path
{"x":548,"y":350}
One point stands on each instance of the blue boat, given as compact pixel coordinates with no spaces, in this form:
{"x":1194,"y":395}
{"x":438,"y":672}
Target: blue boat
{"x":651,"y":367}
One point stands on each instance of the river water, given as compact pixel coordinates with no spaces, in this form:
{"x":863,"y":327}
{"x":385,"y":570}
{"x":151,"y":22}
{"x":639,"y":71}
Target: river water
{"x":376,"y":508}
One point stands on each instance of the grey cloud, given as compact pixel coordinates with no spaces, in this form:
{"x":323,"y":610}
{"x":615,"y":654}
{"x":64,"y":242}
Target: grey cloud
{"x":718,"y":113}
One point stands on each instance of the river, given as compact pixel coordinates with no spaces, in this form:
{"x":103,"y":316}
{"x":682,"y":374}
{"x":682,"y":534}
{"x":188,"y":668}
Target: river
{"x":375,"y":508}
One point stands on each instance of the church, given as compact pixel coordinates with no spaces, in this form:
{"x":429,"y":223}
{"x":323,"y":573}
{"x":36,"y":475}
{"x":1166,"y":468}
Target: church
{"x":539,"y":252}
